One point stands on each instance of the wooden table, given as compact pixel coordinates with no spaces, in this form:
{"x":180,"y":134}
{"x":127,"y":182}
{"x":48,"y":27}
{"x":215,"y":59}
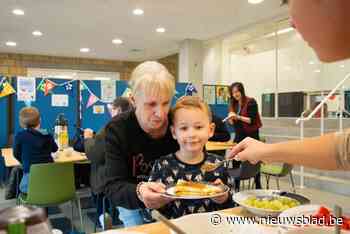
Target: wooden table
{"x":214,"y":145}
{"x":68,"y":155}
{"x":160,"y":228}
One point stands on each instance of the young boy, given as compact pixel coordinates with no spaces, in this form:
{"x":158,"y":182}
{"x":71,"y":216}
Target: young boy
{"x":32,"y":145}
{"x":192,"y":127}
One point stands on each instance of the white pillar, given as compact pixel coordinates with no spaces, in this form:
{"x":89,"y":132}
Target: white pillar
{"x":191,"y":63}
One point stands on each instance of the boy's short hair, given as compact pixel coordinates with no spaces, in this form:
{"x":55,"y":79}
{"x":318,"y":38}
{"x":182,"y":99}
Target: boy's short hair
{"x":191,"y":102}
{"x":29,"y":117}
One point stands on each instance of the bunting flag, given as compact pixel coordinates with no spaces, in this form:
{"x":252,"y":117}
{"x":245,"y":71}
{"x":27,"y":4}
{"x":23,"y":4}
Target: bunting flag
{"x":83,"y":86}
{"x":127,"y":93}
{"x":41,"y":85}
{"x":48,"y":86}
{"x":92,"y":100}
{"x":190,"y":89}
{"x":7,"y":89}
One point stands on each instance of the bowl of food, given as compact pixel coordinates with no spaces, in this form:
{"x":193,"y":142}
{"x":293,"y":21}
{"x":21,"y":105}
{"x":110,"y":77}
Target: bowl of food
{"x":262,"y":202}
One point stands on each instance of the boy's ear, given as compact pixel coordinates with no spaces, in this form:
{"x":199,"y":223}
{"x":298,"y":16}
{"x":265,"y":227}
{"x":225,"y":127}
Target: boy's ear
{"x":211,"y":129}
{"x":173,"y":131}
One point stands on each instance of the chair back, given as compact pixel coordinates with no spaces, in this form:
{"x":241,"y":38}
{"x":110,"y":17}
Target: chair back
{"x":276,"y":170}
{"x":50,"y":184}
{"x":248,"y":170}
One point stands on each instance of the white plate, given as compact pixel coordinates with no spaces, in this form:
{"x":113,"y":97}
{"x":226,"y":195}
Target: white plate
{"x":305,"y":210}
{"x":170,"y":192}
{"x":241,"y":197}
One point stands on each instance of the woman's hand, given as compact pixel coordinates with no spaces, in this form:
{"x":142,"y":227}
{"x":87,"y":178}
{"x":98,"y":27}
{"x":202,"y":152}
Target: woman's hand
{"x":223,"y":198}
{"x":249,"y":150}
{"x":152,"y":197}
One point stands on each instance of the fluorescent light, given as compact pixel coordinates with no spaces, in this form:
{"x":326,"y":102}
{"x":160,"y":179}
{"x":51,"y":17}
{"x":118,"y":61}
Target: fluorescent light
{"x":84,"y":50}
{"x":255,"y":1}
{"x":117,"y":41}
{"x":160,"y":30}
{"x":138,"y":11}
{"x":11,"y":43}
{"x":342,"y":66}
{"x":282,"y":31}
{"x":317,"y":71}
{"x":311,"y":62}
{"x":18,"y":12}
{"x":37,"y":33}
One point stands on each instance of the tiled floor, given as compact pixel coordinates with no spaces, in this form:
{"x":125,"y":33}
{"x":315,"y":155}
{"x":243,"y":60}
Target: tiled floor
{"x":316,"y":196}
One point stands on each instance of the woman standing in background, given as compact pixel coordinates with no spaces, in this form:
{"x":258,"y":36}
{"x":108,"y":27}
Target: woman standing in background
{"x":245,"y":118}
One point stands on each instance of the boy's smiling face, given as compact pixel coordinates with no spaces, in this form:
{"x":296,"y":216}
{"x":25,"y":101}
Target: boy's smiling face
{"x":192,"y":129}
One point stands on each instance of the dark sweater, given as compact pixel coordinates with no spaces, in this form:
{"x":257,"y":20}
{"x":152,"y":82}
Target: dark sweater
{"x":169,"y":169}
{"x":33,"y":146}
{"x":130,"y":154}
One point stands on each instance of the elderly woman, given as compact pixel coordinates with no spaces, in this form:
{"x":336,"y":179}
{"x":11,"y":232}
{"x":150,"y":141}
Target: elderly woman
{"x":134,"y":140}
{"x":331,"y":44}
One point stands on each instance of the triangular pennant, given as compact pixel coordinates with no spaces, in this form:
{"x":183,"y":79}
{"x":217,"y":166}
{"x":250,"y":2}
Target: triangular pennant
{"x":127,"y":93}
{"x":92,"y":100}
{"x":7,"y":89}
{"x":82,"y":86}
{"x":41,"y":85}
{"x":49,"y":85}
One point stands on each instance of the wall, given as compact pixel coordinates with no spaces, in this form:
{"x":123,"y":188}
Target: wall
{"x":17,"y":64}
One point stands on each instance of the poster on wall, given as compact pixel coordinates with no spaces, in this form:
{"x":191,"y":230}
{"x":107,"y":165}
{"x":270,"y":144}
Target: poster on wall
{"x":26,"y":90}
{"x":98,"y":109}
{"x":209,"y":94}
{"x":59,"y":100}
{"x":222,"y":94}
{"x":108,"y":90}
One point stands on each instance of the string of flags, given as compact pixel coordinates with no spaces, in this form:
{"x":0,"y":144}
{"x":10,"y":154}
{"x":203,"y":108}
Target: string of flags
{"x":6,"y":88}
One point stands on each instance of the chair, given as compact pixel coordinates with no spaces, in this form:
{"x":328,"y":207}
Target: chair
{"x":277,"y":171}
{"x":246,"y":171}
{"x":51,"y":184}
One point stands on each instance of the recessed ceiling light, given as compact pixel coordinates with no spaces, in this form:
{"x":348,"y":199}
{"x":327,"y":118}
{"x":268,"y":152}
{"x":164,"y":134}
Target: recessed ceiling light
{"x":255,"y":1}
{"x":37,"y":33}
{"x":138,"y":11}
{"x":84,"y":50}
{"x":160,"y":30}
{"x":18,"y":12}
{"x":117,"y":41}
{"x":11,"y":43}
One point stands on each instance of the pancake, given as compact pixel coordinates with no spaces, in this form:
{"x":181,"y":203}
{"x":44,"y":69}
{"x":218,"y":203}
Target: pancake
{"x":190,"y":188}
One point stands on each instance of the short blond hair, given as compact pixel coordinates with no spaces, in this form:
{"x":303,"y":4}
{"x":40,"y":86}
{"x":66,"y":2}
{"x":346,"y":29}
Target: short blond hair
{"x":191,"y":102}
{"x":29,"y":117}
{"x":152,"y":78}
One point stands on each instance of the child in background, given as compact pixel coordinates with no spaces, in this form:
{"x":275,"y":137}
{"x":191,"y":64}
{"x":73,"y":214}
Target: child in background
{"x":192,"y":127}
{"x":32,"y":145}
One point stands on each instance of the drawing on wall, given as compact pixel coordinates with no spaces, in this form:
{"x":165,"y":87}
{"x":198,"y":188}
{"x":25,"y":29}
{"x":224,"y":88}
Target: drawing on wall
{"x":222,"y":94}
{"x":209,"y":94}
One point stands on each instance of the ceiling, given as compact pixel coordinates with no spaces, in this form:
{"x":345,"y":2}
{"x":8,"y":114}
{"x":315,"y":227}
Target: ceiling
{"x":69,"y":25}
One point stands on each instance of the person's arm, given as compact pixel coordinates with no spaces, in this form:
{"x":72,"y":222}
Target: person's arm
{"x":119,"y":189}
{"x":221,"y":133}
{"x":53,"y":144}
{"x":318,"y":152}
{"x":252,"y":110}
{"x":17,"y":151}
